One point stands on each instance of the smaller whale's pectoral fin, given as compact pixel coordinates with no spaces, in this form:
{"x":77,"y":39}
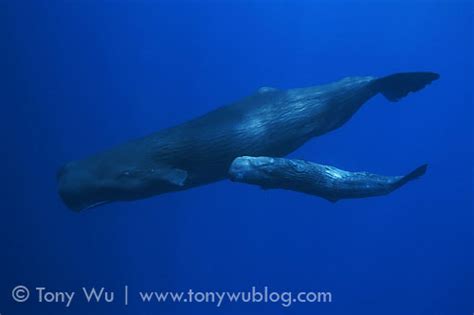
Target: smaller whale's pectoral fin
{"x":174,"y":176}
{"x":398,"y":85}
{"x":331,"y":199}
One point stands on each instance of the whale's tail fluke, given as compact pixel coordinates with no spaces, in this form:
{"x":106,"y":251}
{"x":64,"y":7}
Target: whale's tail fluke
{"x":418,"y":172}
{"x":398,"y":85}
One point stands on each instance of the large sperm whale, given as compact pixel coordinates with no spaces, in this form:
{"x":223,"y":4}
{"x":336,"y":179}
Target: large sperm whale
{"x":270,"y":123}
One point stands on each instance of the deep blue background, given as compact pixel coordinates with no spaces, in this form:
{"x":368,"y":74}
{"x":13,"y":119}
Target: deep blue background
{"x":80,"y":76}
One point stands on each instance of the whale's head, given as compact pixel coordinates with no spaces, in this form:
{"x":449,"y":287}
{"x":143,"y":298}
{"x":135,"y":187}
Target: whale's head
{"x":79,"y":187}
{"x":106,"y":178}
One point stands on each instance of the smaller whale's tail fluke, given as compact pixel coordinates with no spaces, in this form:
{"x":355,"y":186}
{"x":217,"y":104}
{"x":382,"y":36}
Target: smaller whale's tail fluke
{"x":418,"y":172}
{"x":398,"y":85}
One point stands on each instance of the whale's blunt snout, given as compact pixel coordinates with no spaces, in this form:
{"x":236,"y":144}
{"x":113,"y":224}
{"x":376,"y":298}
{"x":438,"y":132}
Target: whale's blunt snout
{"x":247,"y":167}
{"x":76,"y":188}
{"x":68,"y":190}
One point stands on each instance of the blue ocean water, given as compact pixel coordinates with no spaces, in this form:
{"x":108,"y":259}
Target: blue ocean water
{"x":81,"y":76}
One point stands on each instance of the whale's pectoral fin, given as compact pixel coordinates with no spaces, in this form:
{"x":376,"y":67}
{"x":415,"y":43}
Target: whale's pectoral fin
{"x":324,"y":181}
{"x":398,"y":85}
{"x":174,"y":176}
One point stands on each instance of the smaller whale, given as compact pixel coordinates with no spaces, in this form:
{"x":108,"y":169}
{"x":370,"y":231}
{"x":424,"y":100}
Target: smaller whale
{"x":320,"y":180}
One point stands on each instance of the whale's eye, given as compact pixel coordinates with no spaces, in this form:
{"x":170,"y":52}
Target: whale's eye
{"x":126,"y":174}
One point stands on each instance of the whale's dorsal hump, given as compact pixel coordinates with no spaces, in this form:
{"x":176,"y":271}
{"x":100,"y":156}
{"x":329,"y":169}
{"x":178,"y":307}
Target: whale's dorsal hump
{"x":266,"y":89}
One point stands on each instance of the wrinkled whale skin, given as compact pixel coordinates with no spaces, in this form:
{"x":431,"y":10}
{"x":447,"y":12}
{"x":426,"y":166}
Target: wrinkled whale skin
{"x":270,"y":122}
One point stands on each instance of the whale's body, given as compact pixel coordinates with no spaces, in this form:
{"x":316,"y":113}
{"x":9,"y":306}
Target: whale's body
{"x":270,"y":122}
